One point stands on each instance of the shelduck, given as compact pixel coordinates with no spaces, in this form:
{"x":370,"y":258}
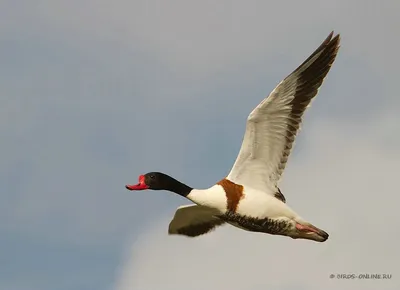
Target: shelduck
{"x":249,"y":197}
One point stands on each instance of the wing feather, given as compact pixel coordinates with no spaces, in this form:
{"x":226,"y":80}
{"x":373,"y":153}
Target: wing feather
{"x":272,"y":126}
{"x":193,"y":221}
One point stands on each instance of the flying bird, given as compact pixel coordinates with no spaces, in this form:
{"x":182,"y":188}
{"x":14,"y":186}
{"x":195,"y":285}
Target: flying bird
{"x":249,"y":197}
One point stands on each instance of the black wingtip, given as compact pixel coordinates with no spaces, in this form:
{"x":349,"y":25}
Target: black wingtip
{"x":330,"y":36}
{"x":327,"y":44}
{"x":335,"y":40}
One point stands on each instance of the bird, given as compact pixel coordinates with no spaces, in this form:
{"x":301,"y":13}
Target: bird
{"x":249,"y":197}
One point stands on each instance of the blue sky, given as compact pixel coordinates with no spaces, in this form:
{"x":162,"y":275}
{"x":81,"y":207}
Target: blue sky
{"x":95,"y":93}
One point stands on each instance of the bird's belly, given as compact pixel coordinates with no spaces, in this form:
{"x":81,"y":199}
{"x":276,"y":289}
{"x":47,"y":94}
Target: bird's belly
{"x":263,"y":225}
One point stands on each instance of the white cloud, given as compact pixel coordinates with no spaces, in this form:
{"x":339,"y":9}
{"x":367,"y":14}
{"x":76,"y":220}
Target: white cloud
{"x":346,"y":186}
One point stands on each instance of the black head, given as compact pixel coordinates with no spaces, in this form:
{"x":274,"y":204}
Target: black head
{"x":151,"y":180}
{"x":160,"y":181}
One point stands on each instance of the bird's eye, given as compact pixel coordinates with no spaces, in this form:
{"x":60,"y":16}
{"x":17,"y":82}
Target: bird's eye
{"x":152,"y":176}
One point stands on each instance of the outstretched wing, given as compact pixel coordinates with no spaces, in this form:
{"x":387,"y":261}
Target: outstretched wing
{"x":193,"y":221}
{"x":272,"y":126}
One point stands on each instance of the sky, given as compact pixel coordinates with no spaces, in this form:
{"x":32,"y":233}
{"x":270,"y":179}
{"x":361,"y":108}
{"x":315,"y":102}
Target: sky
{"x":95,"y":93}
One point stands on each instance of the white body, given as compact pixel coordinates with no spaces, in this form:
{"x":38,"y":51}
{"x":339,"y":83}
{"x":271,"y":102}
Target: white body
{"x":255,"y":203}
